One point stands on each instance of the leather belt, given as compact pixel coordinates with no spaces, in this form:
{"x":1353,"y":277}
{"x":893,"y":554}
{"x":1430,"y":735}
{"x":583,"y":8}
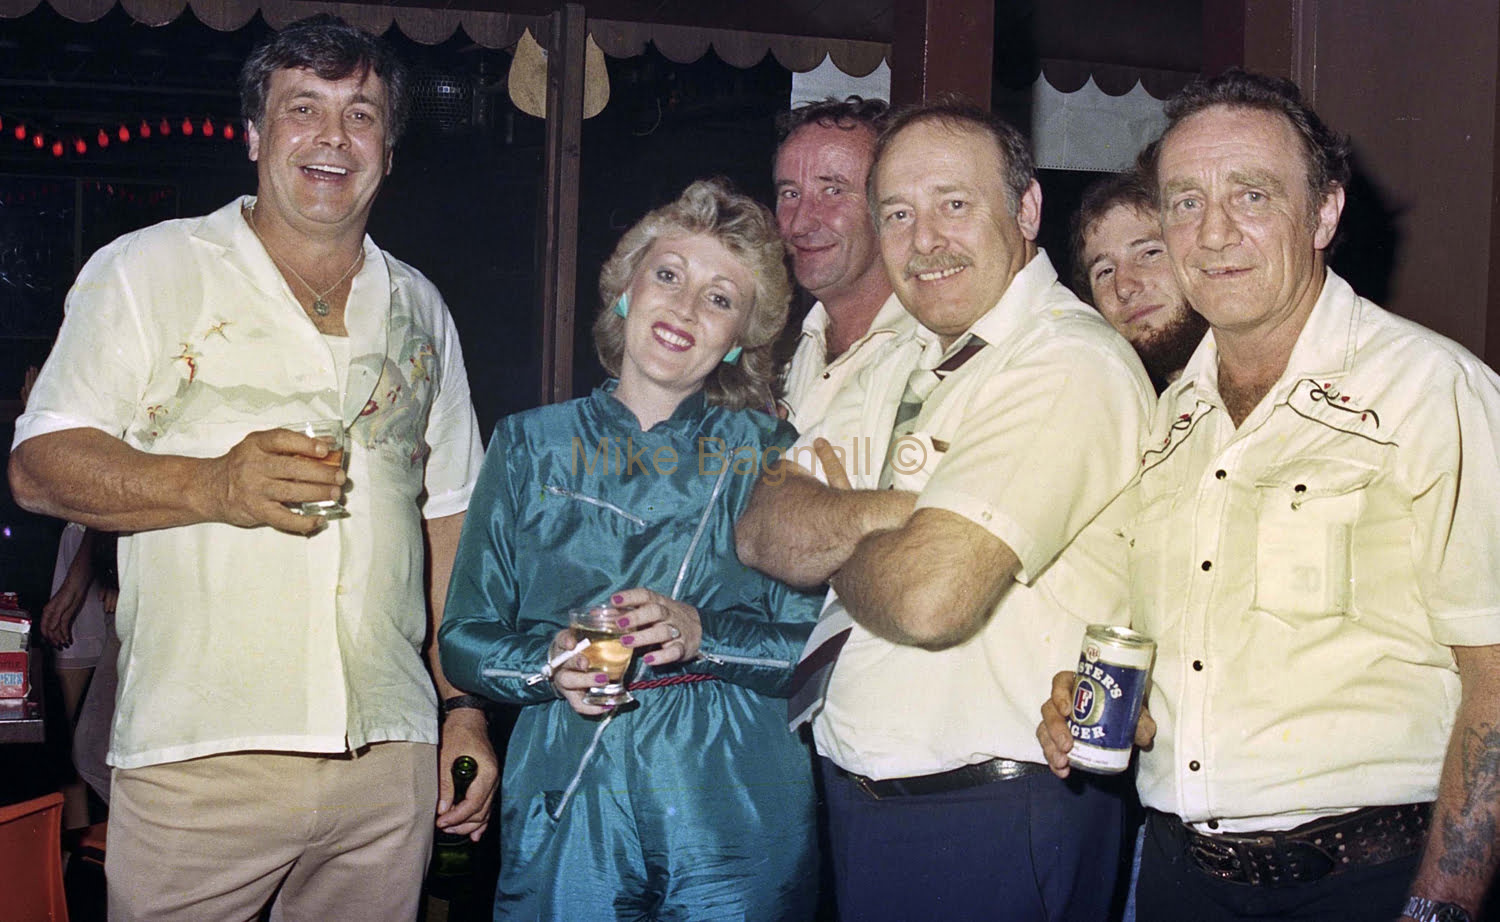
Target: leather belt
{"x":965,"y":776}
{"x":1312,"y":851}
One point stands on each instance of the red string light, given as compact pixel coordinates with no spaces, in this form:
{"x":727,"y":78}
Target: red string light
{"x":122,"y":133}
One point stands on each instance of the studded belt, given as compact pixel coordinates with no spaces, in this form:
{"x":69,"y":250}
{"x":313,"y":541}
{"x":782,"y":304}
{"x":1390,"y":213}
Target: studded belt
{"x":1372,"y":835}
{"x":965,"y":776}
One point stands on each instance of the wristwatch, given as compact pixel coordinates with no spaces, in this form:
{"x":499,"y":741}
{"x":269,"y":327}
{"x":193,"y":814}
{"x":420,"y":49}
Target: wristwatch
{"x":458,"y":702}
{"x":1424,"y":910}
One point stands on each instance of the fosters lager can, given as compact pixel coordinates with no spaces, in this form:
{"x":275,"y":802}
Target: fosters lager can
{"x":1114,"y":668}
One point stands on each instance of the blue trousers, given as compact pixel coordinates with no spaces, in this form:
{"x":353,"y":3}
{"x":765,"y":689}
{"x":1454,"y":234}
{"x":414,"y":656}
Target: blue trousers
{"x":1033,"y":849}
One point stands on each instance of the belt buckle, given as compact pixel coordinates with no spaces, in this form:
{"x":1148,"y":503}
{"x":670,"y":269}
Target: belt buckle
{"x":1220,"y":859}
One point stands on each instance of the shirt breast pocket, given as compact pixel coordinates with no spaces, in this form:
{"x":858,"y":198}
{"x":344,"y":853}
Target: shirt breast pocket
{"x":1306,"y":513}
{"x":1155,"y":605}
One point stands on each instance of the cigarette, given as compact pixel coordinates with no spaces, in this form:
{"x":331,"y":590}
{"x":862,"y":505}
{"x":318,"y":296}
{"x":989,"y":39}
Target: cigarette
{"x":556,"y":661}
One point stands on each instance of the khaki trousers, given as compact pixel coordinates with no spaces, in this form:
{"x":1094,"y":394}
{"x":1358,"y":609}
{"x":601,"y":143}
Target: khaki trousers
{"x":212,"y":839}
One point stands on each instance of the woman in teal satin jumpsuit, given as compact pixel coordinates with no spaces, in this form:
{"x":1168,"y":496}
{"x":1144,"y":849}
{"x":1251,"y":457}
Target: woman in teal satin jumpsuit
{"x":695,"y":802}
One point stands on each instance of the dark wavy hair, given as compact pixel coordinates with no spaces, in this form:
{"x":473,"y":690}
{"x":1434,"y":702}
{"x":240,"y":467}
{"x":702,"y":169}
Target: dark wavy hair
{"x":959,"y":114}
{"x":748,"y":231}
{"x":1099,"y":199}
{"x":849,"y":113}
{"x":1325,"y":152}
{"x":331,"y":48}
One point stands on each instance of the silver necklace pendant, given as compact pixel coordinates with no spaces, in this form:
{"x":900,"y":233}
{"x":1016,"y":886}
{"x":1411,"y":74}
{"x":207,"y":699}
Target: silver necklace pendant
{"x":320,"y":307}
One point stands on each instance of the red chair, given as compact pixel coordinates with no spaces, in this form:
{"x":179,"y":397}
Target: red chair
{"x":31,"y":854}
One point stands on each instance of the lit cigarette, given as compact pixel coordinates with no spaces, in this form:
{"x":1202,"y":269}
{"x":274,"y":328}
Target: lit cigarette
{"x":556,"y":661}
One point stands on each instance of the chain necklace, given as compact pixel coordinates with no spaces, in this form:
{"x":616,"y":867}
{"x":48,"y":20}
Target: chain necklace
{"x":320,"y":303}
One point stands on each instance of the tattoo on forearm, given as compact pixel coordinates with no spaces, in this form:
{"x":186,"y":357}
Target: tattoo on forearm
{"x":1469,"y":835}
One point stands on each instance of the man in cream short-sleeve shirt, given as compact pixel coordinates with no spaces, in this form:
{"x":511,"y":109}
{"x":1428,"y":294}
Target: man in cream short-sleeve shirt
{"x":1315,"y":547}
{"x":822,"y":166}
{"x":970,"y":554}
{"x":277,"y":728}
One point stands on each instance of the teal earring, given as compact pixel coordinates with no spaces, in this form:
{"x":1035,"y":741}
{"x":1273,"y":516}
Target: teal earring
{"x":732,"y":357}
{"x":622,"y":306}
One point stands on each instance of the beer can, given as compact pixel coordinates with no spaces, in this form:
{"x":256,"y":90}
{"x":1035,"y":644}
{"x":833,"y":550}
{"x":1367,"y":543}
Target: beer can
{"x":1114,"y":668}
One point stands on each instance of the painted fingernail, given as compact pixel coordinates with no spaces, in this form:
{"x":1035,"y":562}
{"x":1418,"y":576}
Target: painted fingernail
{"x":627,"y":640}
{"x":649,"y":658}
{"x":623,"y":622}
{"x":617,"y":598}
{"x":601,"y":679}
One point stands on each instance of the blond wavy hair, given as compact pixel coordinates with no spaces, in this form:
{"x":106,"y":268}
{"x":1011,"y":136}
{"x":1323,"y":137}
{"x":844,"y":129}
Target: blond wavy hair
{"x":747,"y":230}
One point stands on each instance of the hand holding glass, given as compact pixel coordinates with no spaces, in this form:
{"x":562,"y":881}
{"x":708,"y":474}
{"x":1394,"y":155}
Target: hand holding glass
{"x":601,"y":625}
{"x":331,"y":433}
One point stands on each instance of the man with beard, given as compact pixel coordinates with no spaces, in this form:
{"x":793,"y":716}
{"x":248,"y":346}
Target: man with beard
{"x":1120,"y":266}
{"x":966,"y":567}
{"x":821,"y":169}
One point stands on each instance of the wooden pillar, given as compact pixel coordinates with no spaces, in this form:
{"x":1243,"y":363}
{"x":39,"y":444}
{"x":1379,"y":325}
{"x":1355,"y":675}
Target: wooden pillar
{"x":943,"y":46}
{"x":559,"y":213}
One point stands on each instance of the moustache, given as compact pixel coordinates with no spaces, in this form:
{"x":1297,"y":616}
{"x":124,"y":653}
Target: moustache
{"x":919,"y":265}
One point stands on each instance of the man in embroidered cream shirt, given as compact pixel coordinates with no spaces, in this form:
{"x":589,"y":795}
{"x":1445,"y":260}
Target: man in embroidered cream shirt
{"x":821,"y":169}
{"x":972,"y":559}
{"x":1316,"y":550}
{"x":276,"y":727}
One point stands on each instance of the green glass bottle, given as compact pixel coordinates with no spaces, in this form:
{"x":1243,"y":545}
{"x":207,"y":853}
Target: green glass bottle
{"x":453,"y":854}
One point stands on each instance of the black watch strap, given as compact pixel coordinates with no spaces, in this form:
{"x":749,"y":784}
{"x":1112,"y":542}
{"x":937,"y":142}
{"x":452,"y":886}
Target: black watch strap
{"x":465,"y":701}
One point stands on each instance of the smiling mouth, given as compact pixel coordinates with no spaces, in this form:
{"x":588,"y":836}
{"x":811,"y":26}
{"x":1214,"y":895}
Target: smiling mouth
{"x":325,"y":169}
{"x":1223,"y":273}
{"x":938,"y":274}
{"x":675,"y":340}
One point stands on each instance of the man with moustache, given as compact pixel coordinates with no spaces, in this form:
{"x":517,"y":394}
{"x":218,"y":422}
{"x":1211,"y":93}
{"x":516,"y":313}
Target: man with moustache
{"x":971,"y":563}
{"x":1315,"y":553}
{"x":1120,"y":266}
{"x":276,"y":728}
{"x":821,"y":169}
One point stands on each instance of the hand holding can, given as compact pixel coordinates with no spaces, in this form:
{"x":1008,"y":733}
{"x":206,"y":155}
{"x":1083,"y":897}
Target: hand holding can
{"x":1114,"y":671}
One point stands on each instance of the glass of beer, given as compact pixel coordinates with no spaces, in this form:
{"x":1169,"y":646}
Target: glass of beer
{"x":331,"y":433}
{"x":601,"y":625}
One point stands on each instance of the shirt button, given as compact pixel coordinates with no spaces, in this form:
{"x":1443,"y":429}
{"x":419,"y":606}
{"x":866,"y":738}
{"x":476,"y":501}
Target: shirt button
{"x":827,"y":375}
{"x":1193,"y":765}
{"x":1219,"y":474}
{"x":1208,"y":565}
{"x":1300,"y":488}
{"x":1213,"y":824}
{"x":1197,"y":665}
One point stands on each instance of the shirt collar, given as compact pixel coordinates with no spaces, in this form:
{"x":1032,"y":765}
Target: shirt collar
{"x":687,"y":415}
{"x":891,"y":318}
{"x":1324,"y":349}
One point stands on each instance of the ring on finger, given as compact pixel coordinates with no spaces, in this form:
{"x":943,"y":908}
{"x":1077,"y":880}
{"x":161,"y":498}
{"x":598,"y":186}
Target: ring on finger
{"x":676,"y":632}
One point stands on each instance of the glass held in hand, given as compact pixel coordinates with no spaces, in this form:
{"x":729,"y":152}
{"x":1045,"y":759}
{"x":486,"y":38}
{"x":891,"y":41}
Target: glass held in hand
{"x":601,"y":625}
{"x":331,"y":433}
